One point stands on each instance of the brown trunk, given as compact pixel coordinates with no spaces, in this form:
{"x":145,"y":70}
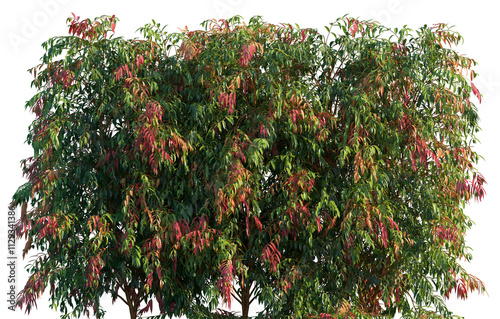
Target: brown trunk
{"x":245,"y":297}
{"x":245,"y":306}
{"x":132,"y":304}
{"x":132,"y":311}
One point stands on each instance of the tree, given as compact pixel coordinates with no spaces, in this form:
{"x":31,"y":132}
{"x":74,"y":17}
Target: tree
{"x":323,"y":176}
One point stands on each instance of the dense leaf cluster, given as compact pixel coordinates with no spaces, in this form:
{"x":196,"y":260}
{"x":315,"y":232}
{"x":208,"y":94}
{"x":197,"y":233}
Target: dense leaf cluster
{"x":323,"y":175}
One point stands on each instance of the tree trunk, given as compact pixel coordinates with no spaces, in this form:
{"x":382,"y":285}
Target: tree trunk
{"x":245,"y":297}
{"x":132,"y":303}
{"x":132,"y":311}
{"x":245,"y":307}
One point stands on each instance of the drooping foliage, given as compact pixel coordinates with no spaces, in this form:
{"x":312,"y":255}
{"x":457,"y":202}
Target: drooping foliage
{"x":323,"y":175}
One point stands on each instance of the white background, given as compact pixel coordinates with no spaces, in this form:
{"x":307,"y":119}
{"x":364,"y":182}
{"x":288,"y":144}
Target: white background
{"x":26,"y":24}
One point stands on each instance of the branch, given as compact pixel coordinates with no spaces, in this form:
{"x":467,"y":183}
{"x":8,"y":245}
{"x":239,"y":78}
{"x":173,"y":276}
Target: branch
{"x":251,"y":300}
{"x":253,"y":290}
{"x":235,"y":297}
{"x":125,"y":301}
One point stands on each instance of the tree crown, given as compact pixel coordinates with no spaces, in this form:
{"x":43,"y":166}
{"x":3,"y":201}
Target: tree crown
{"x":322,"y":175}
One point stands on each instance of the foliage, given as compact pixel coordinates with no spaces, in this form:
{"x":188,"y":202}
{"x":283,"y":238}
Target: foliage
{"x":323,"y":175}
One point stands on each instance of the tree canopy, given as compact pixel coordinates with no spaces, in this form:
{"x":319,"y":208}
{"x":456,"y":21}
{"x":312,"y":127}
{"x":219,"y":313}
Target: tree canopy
{"x":324,"y":175}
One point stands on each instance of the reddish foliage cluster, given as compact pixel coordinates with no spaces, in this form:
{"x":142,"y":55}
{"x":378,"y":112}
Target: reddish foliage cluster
{"x":355,"y":25}
{"x":329,"y":316}
{"x":296,"y":115}
{"x":197,"y":233}
{"x":463,"y":156}
{"x":225,"y":282}
{"x":147,"y":308}
{"x":263,"y":130}
{"x":227,"y":101}
{"x":247,"y":52}
{"x":63,"y":76}
{"x":221,"y":313}
{"x":474,"y":187}
{"x":31,"y":291}
{"x":111,"y":156}
{"x":297,"y":213}
{"x":23,"y":225}
{"x":423,"y":152}
{"x":461,"y":289}
{"x":464,"y":284}
{"x":419,"y":145}
{"x":299,"y":181}
{"x":152,"y":244}
{"x":122,"y":69}
{"x":446,"y":233}
{"x":476,"y":93}
{"x":179,"y":229}
{"x":188,"y":49}
{"x":49,"y":226}
{"x":237,"y":153}
{"x":31,"y":170}
{"x":38,"y":107}
{"x":293,"y":275}
{"x":272,"y":254}
{"x":153,"y":113}
{"x":286,"y":34}
{"x":94,"y":268}
{"x":393,"y":223}
{"x":382,"y":231}
{"x":150,"y":143}
{"x":85,"y":29}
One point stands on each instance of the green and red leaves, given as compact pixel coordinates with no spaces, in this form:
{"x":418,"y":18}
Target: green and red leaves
{"x":225,"y":282}
{"x":91,"y":30}
{"x":124,"y":70}
{"x":299,"y":182}
{"x":47,"y":227}
{"x":474,"y":187}
{"x":222,"y":170}
{"x":464,"y":284}
{"x":353,"y":26}
{"x":34,"y":287}
{"x":121,"y":70}
{"x":94,"y":267}
{"x":271,"y":254}
{"x":227,"y":101}
{"x":63,"y":76}
{"x":248,"y":51}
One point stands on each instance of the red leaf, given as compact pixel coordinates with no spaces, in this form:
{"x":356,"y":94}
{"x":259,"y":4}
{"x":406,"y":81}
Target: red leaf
{"x":148,"y":308}
{"x":258,"y":223}
{"x":248,"y":226}
{"x":140,"y":60}
{"x":176,"y":230}
{"x":263,"y":130}
{"x":119,"y":73}
{"x":232,"y":102}
{"x":354,"y":27}
{"x":393,"y":223}
{"x":383,"y":234}
{"x":318,"y":222}
{"x":476,"y":92}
